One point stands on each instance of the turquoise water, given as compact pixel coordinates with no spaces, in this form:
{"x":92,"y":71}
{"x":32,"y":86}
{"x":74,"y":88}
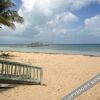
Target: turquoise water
{"x":86,"y":49}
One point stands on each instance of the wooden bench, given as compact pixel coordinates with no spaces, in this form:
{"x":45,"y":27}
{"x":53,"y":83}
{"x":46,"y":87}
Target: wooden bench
{"x":18,"y":73}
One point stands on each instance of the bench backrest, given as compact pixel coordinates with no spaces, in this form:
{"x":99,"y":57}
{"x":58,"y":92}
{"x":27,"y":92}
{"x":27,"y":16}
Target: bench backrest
{"x":23,"y":72}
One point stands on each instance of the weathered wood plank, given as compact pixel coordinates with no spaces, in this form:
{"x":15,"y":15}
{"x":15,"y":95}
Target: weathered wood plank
{"x":2,"y":69}
{"x":41,"y":76}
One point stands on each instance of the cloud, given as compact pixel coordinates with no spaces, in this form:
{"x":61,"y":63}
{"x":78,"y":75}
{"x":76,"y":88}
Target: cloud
{"x":51,"y":20}
{"x":27,"y":5}
{"x":58,"y":24}
{"x":62,"y":19}
{"x":92,"y":25}
{"x":66,"y":17}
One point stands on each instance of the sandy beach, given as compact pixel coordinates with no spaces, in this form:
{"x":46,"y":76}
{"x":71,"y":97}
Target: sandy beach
{"x":61,"y":75}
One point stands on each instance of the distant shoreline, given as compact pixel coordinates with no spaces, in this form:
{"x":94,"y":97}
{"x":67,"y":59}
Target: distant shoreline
{"x":90,"y":55}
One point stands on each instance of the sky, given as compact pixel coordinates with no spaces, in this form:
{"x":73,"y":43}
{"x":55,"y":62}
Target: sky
{"x":55,"y":22}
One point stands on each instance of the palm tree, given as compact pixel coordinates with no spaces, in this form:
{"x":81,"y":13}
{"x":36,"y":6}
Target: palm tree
{"x":7,"y":15}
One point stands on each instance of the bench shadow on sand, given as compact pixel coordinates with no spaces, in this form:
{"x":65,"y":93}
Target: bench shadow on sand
{"x":6,"y":87}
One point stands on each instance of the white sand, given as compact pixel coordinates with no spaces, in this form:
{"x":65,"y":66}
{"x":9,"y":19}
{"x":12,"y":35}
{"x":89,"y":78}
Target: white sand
{"x":62,"y":74}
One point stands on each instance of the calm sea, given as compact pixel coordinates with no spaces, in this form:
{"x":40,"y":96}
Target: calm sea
{"x":85,"y":49}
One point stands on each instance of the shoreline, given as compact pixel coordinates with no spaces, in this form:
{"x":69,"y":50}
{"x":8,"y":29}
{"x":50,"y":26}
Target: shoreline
{"x":90,"y":55}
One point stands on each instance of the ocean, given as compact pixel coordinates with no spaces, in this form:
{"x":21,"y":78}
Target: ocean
{"x":84,"y":49}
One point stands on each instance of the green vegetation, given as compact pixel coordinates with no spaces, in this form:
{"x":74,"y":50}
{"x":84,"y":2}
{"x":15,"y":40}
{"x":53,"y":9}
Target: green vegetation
{"x":37,"y":44}
{"x":7,"y":15}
